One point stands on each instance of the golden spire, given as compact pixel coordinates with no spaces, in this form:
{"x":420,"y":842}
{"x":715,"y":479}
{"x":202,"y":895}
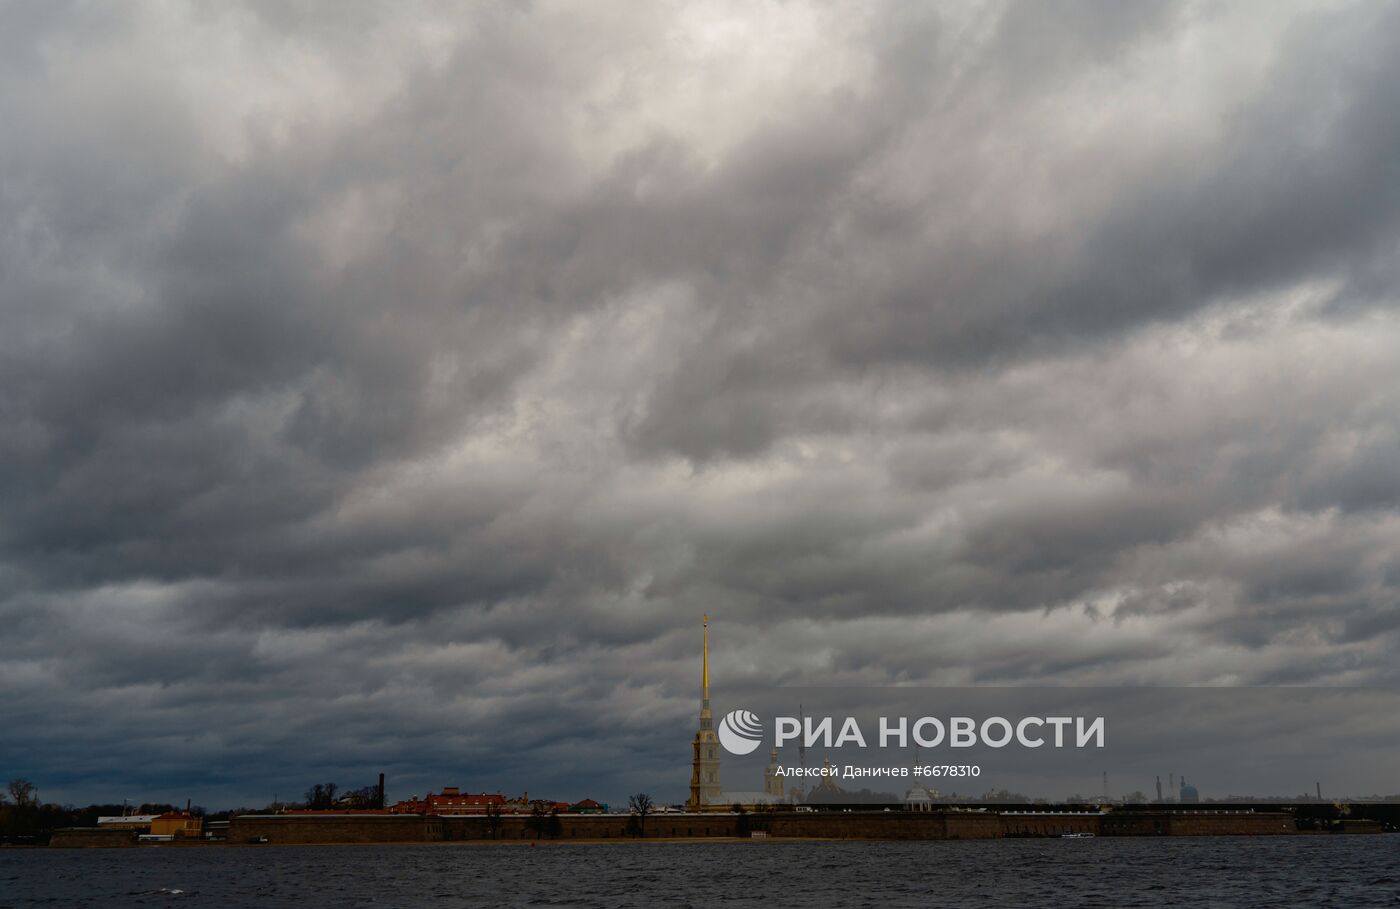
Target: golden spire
{"x":705,"y":671}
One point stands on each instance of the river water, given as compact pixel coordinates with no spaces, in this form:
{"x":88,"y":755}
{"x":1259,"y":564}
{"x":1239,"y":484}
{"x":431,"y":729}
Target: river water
{"x":1199,"y":872}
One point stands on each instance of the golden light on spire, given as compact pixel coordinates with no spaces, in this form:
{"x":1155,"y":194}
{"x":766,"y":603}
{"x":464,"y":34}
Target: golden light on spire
{"x":705,"y":665}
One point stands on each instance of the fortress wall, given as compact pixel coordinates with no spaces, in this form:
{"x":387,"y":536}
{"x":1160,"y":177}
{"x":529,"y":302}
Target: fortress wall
{"x":593,"y":826}
{"x":824,"y":824}
{"x":1049,"y":824}
{"x":1231,"y":824}
{"x":311,"y":829}
{"x":860,"y":825}
{"x":1360,"y":825}
{"x":89,"y":837}
{"x":1204,"y":823}
{"x":1136,"y":824}
{"x":899,"y":825}
{"x":973,"y":826}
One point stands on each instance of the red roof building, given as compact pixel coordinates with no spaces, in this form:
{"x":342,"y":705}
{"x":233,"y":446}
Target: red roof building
{"x":451,"y":801}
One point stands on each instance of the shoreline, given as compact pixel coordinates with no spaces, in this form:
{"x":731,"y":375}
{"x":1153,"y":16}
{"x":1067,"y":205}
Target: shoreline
{"x":658,"y":841}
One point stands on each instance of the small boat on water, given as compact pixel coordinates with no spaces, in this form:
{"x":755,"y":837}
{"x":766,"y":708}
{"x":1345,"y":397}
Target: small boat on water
{"x":1076,"y":836}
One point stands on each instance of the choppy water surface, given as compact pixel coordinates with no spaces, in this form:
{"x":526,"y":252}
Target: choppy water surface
{"x":1216,"y":871}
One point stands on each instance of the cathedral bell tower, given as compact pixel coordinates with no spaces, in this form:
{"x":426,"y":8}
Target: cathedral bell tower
{"x":704,"y":769}
{"x":772,"y":780}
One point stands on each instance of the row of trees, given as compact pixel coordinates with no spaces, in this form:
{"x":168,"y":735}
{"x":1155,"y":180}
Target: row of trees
{"x":329,"y":795}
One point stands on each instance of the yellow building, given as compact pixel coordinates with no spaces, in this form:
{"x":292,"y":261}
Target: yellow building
{"x":176,"y":824}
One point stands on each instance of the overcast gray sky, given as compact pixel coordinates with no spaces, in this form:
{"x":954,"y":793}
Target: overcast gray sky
{"x":393,"y":386}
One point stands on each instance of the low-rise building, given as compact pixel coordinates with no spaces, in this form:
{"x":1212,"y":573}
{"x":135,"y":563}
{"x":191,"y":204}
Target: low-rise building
{"x":588,"y":806}
{"x":453,"y":801}
{"x":177,"y":824}
{"x":141,"y":823}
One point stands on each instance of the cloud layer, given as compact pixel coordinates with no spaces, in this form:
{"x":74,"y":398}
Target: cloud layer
{"x":390,"y":386}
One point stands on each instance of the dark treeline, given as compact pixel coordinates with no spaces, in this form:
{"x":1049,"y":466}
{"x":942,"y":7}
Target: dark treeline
{"x":330,"y":795}
{"x":25,"y":819}
{"x":21,"y":824}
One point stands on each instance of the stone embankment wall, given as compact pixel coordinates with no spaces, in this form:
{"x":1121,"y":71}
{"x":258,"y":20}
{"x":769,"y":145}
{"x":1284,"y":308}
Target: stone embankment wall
{"x":288,"y":829}
{"x":1197,"y":823}
{"x":901,"y":825}
{"x":594,"y":826}
{"x":1050,"y":824}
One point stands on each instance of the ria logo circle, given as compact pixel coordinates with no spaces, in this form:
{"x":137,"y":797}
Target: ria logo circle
{"x":740,"y":732}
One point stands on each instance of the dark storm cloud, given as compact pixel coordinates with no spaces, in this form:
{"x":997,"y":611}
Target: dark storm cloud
{"x":394,"y":387}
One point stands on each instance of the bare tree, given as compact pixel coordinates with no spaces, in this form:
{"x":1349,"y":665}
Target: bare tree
{"x":641,"y":805}
{"x":321,"y":795}
{"x":538,"y":821}
{"x":364,"y":797}
{"x":493,"y":820}
{"x":22,"y":791}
